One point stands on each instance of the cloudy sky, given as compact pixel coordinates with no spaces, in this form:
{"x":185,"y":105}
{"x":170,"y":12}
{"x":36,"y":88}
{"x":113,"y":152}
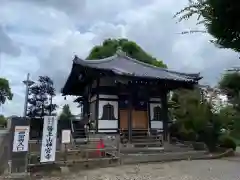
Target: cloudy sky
{"x":41,"y":37}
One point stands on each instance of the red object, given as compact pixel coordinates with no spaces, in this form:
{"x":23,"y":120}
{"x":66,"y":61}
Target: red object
{"x":100,"y":146}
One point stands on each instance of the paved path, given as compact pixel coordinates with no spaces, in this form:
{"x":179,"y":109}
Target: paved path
{"x":182,"y":170}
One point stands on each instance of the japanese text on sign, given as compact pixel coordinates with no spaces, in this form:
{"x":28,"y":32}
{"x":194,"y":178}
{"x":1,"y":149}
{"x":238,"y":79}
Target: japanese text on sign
{"x":21,"y":137}
{"x":49,"y":139}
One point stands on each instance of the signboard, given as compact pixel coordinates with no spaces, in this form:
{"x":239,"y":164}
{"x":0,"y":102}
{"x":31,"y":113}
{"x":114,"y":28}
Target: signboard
{"x":21,"y":137}
{"x":66,"y":136}
{"x":48,"y":149}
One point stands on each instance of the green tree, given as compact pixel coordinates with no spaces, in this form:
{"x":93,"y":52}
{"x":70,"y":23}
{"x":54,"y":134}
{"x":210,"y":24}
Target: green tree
{"x":195,"y":120}
{"x":40,"y":98}
{"x":220,"y":18}
{"x":109,"y":48}
{"x":229,"y":83}
{"x":66,"y":113}
{"x":228,"y":116}
{"x":3,"y":121}
{"x":5,"y":91}
{"x":191,"y":114}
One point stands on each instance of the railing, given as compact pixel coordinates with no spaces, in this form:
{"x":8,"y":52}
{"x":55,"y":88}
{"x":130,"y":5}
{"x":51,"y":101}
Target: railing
{"x":92,"y":148}
{"x":88,"y":151}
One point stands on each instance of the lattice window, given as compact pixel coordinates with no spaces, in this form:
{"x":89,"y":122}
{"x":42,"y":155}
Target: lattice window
{"x":108,"y":112}
{"x":157,"y":112}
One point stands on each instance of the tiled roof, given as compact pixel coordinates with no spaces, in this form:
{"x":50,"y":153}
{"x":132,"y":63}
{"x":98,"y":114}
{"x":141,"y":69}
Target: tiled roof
{"x":122,"y":64}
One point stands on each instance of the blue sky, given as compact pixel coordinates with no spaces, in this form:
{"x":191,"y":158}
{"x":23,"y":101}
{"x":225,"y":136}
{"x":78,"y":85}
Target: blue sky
{"x":41,"y":37}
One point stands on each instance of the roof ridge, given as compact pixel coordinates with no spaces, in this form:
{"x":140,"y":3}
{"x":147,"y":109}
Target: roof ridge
{"x":160,"y":68}
{"x":93,"y":61}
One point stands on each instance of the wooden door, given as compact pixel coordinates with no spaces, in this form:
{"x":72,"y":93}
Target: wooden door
{"x":123,"y":119}
{"x":139,"y":119}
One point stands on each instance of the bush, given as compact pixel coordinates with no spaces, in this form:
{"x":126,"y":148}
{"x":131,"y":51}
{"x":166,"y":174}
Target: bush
{"x":227,"y":142}
{"x":187,"y":135}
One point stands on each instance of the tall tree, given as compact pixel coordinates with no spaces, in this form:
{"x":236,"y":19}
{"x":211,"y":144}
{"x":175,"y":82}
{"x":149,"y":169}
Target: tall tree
{"x":3,"y":121}
{"x":220,"y":18}
{"x":5,"y":91}
{"x":195,"y":119}
{"x":66,"y":113}
{"x":230,"y":85}
{"x":192,"y":114}
{"x":40,"y":98}
{"x":109,"y":47}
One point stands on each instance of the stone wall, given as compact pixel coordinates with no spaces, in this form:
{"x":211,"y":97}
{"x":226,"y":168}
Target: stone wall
{"x":5,"y":149}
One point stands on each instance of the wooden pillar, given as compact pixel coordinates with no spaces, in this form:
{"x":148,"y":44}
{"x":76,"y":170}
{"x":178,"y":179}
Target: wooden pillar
{"x":164,"y":114}
{"x":149,"y":115}
{"x":97,"y":106}
{"x":118,"y":94}
{"x":85,"y":105}
{"x":129,"y":118}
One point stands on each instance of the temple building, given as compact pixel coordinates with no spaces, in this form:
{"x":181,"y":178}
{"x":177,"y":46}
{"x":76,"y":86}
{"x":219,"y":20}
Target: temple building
{"x":122,"y":93}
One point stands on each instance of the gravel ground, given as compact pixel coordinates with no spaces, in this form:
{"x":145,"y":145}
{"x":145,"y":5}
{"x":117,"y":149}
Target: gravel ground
{"x":182,"y":170}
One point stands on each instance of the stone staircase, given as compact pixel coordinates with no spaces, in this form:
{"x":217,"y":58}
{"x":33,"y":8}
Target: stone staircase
{"x":142,"y":138}
{"x":78,"y":134}
{"x":78,"y":130}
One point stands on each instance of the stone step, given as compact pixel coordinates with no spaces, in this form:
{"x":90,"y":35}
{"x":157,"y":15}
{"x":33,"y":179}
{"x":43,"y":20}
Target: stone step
{"x":145,"y":139}
{"x":146,"y":145}
{"x":146,"y":142}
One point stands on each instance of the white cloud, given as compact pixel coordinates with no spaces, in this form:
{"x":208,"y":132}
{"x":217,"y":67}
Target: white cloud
{"x":50,"y":32}
{"x":7,"y":46}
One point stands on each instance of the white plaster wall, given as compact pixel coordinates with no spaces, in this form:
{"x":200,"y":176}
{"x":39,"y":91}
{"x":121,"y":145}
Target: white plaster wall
{"x":107,"y":124}
{"x":156,"y":125}
{"x":102,"y":103}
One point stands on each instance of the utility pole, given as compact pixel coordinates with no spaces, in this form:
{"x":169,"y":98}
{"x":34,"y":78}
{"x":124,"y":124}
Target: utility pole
{"x":27,"y":83}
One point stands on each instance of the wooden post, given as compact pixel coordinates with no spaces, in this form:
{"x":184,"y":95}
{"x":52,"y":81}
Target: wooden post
{"x":86,"y":156}
{"x":118,"y":150}
{"x":164,"y":113}
{"x":129,"y":118}
{"x":26,"y":161}
{"x":65,"y":152}
{"x":148,"y":116}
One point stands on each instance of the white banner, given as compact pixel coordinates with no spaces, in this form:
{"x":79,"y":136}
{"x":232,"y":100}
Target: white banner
{"x":21,"y":137}
{"x":49,"y":138}
{"x":66,"y":136}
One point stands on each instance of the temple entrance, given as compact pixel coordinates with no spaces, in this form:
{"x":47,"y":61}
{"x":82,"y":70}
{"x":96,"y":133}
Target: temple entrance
{"x":124,"y":119}
{"x":139,"y":120}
